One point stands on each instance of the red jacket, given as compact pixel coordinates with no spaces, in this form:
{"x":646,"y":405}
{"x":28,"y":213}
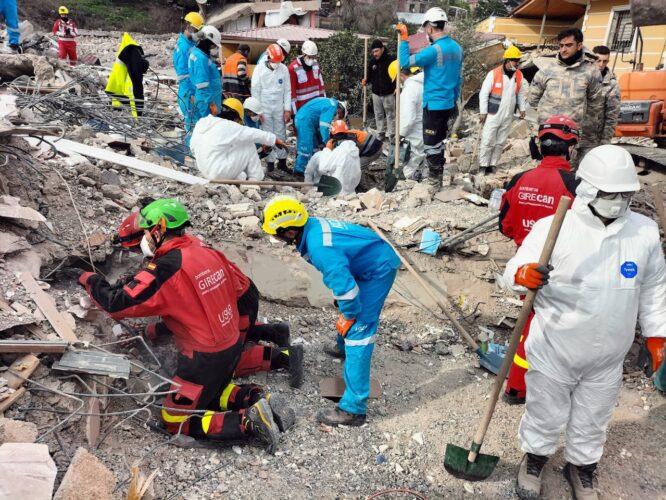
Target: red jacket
{"x":533,"y":195}
{"x":66,"y":31}
{"x":193,"y":287}
{"x":306,"y":84}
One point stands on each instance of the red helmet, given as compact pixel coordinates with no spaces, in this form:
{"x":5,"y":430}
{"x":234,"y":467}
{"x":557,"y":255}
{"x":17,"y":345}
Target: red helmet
{"x":339,"y":127}
{"x":274,"y":53}
{"x":129,"y":233}
{"x":560,"y":126}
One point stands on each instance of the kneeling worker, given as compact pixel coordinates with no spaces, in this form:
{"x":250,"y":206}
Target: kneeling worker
{"x":194,"y":289}
{"x":359,"y":267}
{"x":369,"y":147}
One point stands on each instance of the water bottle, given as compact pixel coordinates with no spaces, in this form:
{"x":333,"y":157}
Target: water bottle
{"x":496,"y":199}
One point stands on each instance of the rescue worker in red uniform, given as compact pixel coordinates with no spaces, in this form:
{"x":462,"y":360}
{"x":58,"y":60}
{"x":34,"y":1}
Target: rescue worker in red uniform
{"x":194,"y":289}
{"x":67,"y":32}
{"x":307,"y":82}
{"x":254,"y":358}
{"x":533,"y":195}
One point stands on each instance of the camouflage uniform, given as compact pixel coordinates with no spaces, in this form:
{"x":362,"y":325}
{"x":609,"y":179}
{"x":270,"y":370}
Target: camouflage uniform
{"x":574,"y":91}
{"x":600,"y":131}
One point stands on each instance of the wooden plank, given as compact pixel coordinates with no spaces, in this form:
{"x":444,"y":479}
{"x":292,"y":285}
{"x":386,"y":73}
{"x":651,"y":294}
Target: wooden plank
{"x":24,"y":366}
{"x":334,"y":387}
{"x":47,"y":307}
{"x":66,"y":146}
{"x":7,"y":346}
{"x":93,"y":419}
{"x":6,"y":403}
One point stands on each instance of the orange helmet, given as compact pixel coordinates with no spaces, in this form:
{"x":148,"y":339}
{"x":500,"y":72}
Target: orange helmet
{"x":339,"y":127}
{"x":274,"y":53}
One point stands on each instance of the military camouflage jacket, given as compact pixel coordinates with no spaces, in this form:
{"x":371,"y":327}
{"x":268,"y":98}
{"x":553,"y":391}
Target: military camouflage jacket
{"x":600,"y":131}
{"x":574,"y":91}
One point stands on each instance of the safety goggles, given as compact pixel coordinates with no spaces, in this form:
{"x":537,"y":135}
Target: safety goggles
{"x":612,"y":196}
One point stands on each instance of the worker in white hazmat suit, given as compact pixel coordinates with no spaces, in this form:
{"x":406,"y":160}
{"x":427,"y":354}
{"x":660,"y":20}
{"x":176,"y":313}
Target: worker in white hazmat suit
{"x":272,"y":87}
{"x":411,"y":119}
{"x":225,"y":149}
{"x":502,"y":89}
{"x":607,"y":270}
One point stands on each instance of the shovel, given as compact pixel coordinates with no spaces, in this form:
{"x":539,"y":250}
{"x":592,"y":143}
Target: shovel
{"x":328,"y":185}
{"x":470,"y":464}
{"x":489,"y":360}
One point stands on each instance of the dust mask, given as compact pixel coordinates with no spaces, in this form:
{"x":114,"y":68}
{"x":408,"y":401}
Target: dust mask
{"x":309,"y":61}
{"x":255,"y":118}
{"x":611,"y":209}
{"x":273,"y":65}
{"x":145,"y":247}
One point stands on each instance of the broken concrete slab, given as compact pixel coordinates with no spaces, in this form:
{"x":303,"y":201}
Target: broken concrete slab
{"x":16,"y":431}
{"x":520,"y":130}
{"x":11,"y":209}
{"x":11,"y":242}
{"x":372,"y":199}
{"x":112,"y":191}
{"x":86,"y":478}
{"x":26,"y":471}
{"x":25,"y":261}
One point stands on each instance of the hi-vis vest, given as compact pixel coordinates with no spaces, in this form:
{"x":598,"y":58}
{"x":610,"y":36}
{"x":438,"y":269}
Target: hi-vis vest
{"x":120,"y":84}
{"x":498,"y":87}
{"x":231,"y":83}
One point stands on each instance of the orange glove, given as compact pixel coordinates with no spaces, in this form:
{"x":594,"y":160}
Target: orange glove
{"x":655,"y":346}
{"x":343,"y":325}
{"x":364,"y":82}
{"x":533,"y":276}
{"x":213,"y":109}
{"x":403,"y":31}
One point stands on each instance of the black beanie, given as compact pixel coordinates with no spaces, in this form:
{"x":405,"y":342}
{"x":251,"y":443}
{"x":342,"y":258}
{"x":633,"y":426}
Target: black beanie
{"x":376,"y":44}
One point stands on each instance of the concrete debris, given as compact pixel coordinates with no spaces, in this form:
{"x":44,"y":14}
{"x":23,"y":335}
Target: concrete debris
{"x":26,"y":471}
{"x":86,"y":478}
{"x":15,"y":431}
{"x":11,"y":242}
{"x":521,"y":130}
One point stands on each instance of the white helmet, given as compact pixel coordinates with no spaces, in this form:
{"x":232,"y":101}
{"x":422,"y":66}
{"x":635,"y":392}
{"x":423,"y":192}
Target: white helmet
{"x":435,"y":15}
{"x":252,"y":104}
{"x":211,"y":33}
{"x":609,"y":168}
{"x":309,"y":48}
{"x":284,"y":43}
{"x":344,"y":106}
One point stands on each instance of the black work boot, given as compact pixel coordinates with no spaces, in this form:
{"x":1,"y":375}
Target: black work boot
{"x":296,"y":365}
{"x":335,"y":416}
{"x":333,"y":350}
{"x":270,"y":166}
{"x":276,"y":333}
{"x":258,"y":422}
{"x":582,"y":479}
{"x":512,"y":398}
{"x":282,"y":164}
{"x":528,"y":483}
{"x":280,"y":334}
{"x":283,"y":414}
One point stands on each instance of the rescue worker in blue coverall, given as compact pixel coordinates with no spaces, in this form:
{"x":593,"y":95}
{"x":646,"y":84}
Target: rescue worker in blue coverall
{"x":9,"y":12}
{"x":205,"y":76}
{"x":313,"y":123}
{"x":359,"y":268}
{"x":442,"y":67}
{"x":181,"y":56}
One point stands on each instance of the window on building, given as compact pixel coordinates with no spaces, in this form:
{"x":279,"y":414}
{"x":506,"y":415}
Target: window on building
{"x":412,"y":7}
{"x":422,"y":8}
{"x":622,"y":31}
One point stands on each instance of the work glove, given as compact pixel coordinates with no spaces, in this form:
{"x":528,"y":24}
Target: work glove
{"x":402,"y":29}
{"x":84,"y":277}
{"x":651,"y":355}
{"x":279,"y":144}
{"x":343,"y":325}
{"x":533,"y":276}
{"x":264,"y":151}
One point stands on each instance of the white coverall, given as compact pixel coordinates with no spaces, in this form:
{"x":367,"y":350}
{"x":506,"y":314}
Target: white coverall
{"x":273,"y":89}
{"x":411,"y":126}
{"x":343,"y":163}
{"x":224,"y":149}
{"x":604,"y":277}
{"x":497,"y":127}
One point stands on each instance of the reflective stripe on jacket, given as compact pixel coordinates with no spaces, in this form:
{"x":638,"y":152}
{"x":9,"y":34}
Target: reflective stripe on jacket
{"x":305,"y":84}
{"x":234,"y":76}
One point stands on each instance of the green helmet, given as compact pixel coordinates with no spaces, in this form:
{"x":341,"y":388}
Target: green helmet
{"x":172,"y":211}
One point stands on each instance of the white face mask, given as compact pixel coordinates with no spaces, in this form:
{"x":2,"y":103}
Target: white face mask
{"x":145,"y":247}
{"x":214,"y":52}
{"x":273,"y":65}
{"x":309,"y":61}
{"x":611,"y":209}
{"x":255,"y":118}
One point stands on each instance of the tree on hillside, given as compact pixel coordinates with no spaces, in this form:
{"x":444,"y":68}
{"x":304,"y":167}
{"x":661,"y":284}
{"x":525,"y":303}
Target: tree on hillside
{"x":487,"y":8}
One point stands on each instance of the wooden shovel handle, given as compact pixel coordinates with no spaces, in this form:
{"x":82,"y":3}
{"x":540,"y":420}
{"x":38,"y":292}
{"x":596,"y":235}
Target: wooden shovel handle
{"x":428,"y":289}
{"x":547,"y":251}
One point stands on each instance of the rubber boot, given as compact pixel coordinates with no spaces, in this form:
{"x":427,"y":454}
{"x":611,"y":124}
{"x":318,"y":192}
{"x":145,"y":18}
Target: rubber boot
{"x":276,"y":333}
{"x":435,"y":171}
{"x":332,"y":349}
{"x":282,"y":164}
{"x":283,"y":414}
{"x":511,"y":397}
{"x":258,"y":422}
{"x":296,"y":365}
{"x":335,"y":416}
{"x":582,"y":481}
{"x":528,"y":483}
{"x":270,"y":166}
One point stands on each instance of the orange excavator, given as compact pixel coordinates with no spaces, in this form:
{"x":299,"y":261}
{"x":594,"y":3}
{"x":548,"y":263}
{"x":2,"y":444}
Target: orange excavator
{"x":643,"y":91}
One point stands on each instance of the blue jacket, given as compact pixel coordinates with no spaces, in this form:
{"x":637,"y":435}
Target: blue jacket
{"x":442,"y":66}
{"x":346,"y":253}
{"x":319,"y":112}
{"x":181,"y":56}
{"x":205,"y":78}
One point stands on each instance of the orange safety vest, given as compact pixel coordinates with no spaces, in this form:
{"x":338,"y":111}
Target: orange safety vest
{"x":231,"y":83}
{"x":498,"y":88}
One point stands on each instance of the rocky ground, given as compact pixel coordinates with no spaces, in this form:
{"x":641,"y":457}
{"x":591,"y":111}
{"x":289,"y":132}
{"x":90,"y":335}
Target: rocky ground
{"x":433,"y":389}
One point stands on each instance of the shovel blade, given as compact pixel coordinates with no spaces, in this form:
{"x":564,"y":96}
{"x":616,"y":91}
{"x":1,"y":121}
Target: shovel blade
{"x":328,"y":185}
{"x":456,"y":464}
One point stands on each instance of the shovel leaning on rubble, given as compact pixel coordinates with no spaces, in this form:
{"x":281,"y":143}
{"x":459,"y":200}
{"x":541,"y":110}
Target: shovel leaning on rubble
{"x":328,"y":185}
{"x":470,"y":464}
{"x":489,"y":360}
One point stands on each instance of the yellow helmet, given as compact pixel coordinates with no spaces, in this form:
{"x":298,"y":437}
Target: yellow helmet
{"x":513,"y":52}
{"x":415,"y":69}
{"x":283,"y":212}
{"x":393,"y":70}
{"x":62,"y":10}
{"x":236,"y":105}
{"x":195,"y":19}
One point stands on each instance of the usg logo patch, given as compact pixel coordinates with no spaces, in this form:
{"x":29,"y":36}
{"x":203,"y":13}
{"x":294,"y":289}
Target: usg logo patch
{"x":629,"y":269}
